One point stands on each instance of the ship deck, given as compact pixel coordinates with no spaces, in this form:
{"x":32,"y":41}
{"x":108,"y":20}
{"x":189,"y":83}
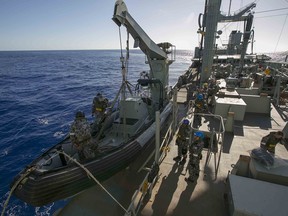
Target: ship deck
{"x":172,"y":195}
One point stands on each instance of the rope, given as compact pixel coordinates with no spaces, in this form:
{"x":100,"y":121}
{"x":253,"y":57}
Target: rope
{"x":91,"y":175}
{"x":271,"y":10}
{"x":120,"y":43}
{"x":14,"y":187}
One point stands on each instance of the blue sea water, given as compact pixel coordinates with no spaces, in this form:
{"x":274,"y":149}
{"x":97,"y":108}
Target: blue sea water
{"x":40,"y":91}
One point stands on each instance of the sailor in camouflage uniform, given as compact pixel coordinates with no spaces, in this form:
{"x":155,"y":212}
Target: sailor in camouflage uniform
{"x":213,"y":88}
{"x":99,"y":106}
{"x":80,"y":135}
{"x":199,"y":107}
{"x":270,"y":141}
{"x":195,"y":151}
{"x":182,"y":141}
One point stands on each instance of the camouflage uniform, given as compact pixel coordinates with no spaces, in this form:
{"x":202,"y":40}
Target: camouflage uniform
{"x":182,"y":141}
{"x":99,"y":105}
{"x":213,"y":88}
{"x":190,"y":90}
{"x":270,"y":141}
{"x":199,"y":107}
{"x":98,"y":109}
{"x":195,"y":150}
{"x":80,"y":135}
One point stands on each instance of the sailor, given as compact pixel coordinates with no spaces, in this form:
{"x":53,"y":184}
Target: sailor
{"x":99,"y":106}
{"x":213,"y":88}
{"x":182,"y":141}
{"x":195,"y":155}
{"x":205,"y":87}
{"x":199,"y":107}
{"x":190,"y":87}
{"x":270,"y":141}
{"x":80,"y":135}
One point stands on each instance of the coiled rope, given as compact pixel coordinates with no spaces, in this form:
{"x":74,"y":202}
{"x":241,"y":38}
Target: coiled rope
{"x":28,"y":171}
{"x":91,"y":175}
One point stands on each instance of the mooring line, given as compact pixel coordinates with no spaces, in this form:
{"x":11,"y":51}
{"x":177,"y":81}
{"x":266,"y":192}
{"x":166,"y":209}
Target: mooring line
{"x":15,"y":186}
{"x":92,"y":176}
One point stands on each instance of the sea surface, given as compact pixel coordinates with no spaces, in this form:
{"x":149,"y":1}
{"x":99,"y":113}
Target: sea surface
{"x":40,"y":91}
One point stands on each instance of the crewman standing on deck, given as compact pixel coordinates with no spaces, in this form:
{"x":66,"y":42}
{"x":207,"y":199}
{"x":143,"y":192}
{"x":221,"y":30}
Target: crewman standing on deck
{"x":195,"y":155}
{"x":190,"y":88}
{"x":270,"y":141}
{"x":182,"y":141}
{"x":199,"y":107}
{"x":213,"y":88}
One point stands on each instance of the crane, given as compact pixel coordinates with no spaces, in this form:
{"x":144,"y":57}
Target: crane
{"x":156,"y":53}
{"x":212,"y":17}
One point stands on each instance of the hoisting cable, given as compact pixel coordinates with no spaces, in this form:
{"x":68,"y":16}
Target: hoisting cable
{"x":271,"y":10}
{"x":127,"y":52}
{"x":281,"y":33}
{"x":92,"y":176}
{"x":28,"y":171}
{"x":128,"y":84}
{"x":121,"y":58}
{"x":124,"y":84}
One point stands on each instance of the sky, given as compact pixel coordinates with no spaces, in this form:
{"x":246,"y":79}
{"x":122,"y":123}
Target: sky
{"x":87,"y":24}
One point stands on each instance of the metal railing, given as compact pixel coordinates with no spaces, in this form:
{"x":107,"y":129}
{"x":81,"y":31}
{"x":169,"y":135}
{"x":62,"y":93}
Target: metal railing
{"x":146,"y":187}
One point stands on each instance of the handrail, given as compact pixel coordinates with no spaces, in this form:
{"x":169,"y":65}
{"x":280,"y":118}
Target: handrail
{"x":220,"y":134}
{"x":144,"y":186}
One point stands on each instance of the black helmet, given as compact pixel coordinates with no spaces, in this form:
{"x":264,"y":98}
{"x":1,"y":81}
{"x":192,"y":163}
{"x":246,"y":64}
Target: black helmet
{"x":80,"y":114}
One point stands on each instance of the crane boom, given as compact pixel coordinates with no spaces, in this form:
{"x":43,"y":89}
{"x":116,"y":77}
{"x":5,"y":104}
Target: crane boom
{"x":156,"y":55}
{"x":121,"y":16}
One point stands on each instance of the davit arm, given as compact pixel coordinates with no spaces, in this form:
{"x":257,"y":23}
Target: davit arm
{"x":142,"y":40}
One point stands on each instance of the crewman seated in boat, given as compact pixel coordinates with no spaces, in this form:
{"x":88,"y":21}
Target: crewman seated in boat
{"x":195,"y":155}
{"x":80,"y":136}
{"x":182,"y":141}
{"x":99,"y":107}
{"x":270,"y":141}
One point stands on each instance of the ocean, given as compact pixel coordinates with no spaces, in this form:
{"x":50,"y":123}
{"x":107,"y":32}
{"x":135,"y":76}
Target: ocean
{"x":40,"y":91}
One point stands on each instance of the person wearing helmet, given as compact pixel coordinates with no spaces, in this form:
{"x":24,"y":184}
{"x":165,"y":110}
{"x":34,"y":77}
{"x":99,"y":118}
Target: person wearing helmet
{"x":205,"y":87}
{"x":182,"y":141}
{"x":199,"y":107}
{"x":195,"y":155}
{"x":100,"y":103}
{"x":99,"y":106}
{"x":199,"y":103}
{"x":80,"y":135}
{"x":270,"y":141}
